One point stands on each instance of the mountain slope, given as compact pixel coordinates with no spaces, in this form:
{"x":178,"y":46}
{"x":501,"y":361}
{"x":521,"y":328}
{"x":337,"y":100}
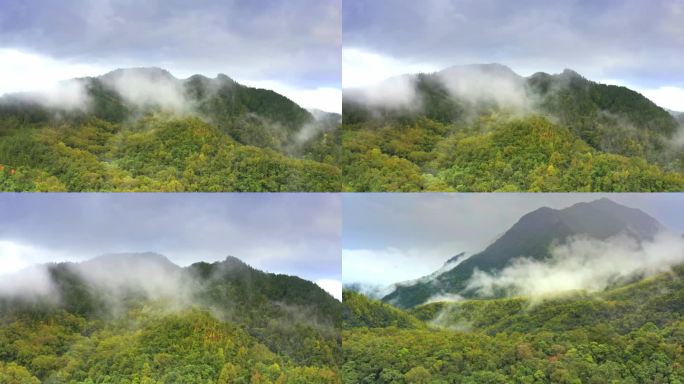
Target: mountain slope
{"x":360,"y":311}
{"x":137,"y":317}
{"x":629,"y":334}
{"x":532,"y":237}
{"x":485,"y":128}
{"x":141,"y":129}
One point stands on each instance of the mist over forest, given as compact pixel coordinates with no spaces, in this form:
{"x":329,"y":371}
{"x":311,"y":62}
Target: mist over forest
{"x":143,"y":129}
{"x":591,"y":292}
{"x":483,"y":127}
{"x":140,"y":317}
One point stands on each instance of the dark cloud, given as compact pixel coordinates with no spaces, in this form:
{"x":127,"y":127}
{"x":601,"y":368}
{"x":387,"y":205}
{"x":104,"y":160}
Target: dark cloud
{"x":634,"y":41}
{"x":287,"y":233}
{"x":297,"y":41}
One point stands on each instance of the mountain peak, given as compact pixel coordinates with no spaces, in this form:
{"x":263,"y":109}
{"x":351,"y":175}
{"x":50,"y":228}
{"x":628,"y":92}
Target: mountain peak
{"x":133,"y":258}
{"x":233,"y":261}
{"x":494,"y":69}
{"x":224,"y":78}
{"x":533,"y":236}
{"x":606,"y":202}
{"x":570,"y":73}
{"x":148,"y":72}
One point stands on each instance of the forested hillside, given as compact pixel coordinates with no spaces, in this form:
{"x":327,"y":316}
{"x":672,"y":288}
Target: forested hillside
{"x":485,"y":128}
{"x":630,"y":334}
{"x":144,"y":130}
{"x":532,"y":237}
{"x":141,"y":319}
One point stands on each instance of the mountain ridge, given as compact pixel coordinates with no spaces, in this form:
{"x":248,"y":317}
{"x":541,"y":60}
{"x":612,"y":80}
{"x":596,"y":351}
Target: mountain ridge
{"x":532,"y":236}
{"x":484,"y":128}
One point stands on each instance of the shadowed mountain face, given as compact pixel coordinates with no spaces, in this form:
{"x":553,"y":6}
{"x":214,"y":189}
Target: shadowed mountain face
{"x":532,"y":237}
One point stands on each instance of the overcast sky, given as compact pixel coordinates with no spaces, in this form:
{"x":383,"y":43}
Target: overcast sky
{"x":636,"y":43}
{"x":296,"y":234}
{"x":290,"y":46}
{"x":388,"y":238}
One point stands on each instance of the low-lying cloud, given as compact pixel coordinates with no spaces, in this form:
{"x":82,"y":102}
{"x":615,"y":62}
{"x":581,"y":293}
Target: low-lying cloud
{"x":115,"y":276}
{"x":487,"y":84}
{"x":394,"y":93}
{"x":70,"y":95}
{"x":583,"y":264}
{"x":28,"y":284}
{"x":474,"y":86}
{"x":143,"y":90}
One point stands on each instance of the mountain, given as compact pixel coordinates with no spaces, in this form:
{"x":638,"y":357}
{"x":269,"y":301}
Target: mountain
{"x":360,"y":311}
{"x":143,"y":129}
{"x":121,"y":94}
{"x":626,"y":334}
{"x":137,"y":317}
{"x":533,"y":236}
{"x":486,"y":128}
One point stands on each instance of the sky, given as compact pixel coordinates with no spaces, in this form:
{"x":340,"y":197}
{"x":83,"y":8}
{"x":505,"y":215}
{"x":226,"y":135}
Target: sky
{"x":291,"y":47}
{"x":296,"y":234}
{"x":634,"y":43}
{"x":389,"y":238}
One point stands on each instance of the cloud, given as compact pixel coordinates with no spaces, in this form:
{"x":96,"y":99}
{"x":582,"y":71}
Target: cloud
{"x":333,"y":287}
{"x":296,"y":234}
{"x":30,"y":283}
{"x":385,"y":267}
{"x":146,"y":90}
{"x":583,"y":264}
{"x":388,"y":238}
{"x":487,"y":84}
{"x":40,"y":79}
{"x":667,"y":97}
{"x":150,"y":274}
{"x":24,"y":71}
{"x":396,"y":92}
{"x":362,"y":68}
{"x":609,"y":39}
{"x":297,"y":42}
{"x":16,"y":256}
{"x":46,"y":80}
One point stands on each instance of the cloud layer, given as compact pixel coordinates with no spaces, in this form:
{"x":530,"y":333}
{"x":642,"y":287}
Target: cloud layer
{"x":583,"y":264}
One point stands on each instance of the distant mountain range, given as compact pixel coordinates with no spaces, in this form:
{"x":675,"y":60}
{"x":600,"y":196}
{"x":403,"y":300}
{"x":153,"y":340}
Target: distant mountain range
{"x":532,"y":237}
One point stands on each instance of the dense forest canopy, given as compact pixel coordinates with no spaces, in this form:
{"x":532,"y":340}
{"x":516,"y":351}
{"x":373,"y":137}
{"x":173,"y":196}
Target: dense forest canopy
{"x":590,"y":293}
{"x":628,"y":334}
{"x":485,"y":128}
{"x":141,"y":319}
{"x":142,"y":129}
